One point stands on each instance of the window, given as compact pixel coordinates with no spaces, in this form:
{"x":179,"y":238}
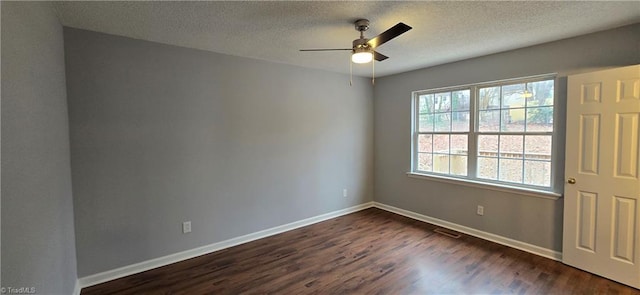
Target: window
{"x":499,"y":132}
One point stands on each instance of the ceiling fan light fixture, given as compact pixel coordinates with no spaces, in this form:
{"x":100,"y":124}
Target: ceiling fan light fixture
{"x":363,"y":49}
{"x":362,"y":55}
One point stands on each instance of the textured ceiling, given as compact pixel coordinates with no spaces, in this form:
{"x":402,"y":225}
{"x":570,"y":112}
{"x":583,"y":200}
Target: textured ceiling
{"x":442,"y":31}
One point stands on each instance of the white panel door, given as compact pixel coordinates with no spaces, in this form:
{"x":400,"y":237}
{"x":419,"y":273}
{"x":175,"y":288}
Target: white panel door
{"x":602,"y":189}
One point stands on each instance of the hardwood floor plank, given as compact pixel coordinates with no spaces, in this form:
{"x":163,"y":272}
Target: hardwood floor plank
{"x":367,"y":252}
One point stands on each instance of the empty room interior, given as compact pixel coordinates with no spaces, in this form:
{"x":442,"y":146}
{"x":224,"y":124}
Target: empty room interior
{"x":280,"y":147}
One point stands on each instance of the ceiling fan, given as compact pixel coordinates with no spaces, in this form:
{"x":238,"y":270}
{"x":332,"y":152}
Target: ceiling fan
{"x":363,"y":50}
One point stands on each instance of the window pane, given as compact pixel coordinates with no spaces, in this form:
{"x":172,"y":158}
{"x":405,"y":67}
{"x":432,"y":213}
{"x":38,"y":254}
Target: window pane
{"x":542,"y":93}
{"x":488,"y":168}
{"x":441,"y":163}
{"x":537,"y":173}
{"x":511,"y":124}
{"x":460,"y":100}
{"x":510,"y":170}
{"x":442,"y":102}
{"x":425,"y":162}
{"x":513,"y":96}
{"x":425,"y":103}
{"x":488,"y":145}
{"x":540,"y":119}
{"x":511,"y":146}
{"x":537,"y":147}
{"x":459,"y":144}
{"x":458,"y":165}
{"x":512,"y":120}
{"x":489,"y":120}
{"x":489,"y":98}
{"x":425,"y":123}
{"x":460,"y":121}
{"x":441,"y":143}
{"x":442,"y":122}
{"x":425,"y":143}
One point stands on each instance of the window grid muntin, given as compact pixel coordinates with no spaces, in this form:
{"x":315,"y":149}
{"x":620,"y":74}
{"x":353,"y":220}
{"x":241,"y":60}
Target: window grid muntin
{"x":502,"y":107}
{"x":523,"y":159}
{"x":472,"y":135}
{"x":433,"y":151}
{"x":436,"y":98}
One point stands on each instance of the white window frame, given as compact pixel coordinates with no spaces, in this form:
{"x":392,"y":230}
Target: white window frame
{"x":472,"y":156}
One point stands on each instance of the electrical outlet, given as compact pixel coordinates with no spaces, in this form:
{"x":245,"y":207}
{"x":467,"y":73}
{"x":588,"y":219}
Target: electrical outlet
{"x":480,"y":210}
{"x":344,"y":193}
{"x":186,"y":227}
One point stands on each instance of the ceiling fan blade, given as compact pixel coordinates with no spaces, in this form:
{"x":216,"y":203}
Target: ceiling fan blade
{"x":389,"y":34}
{"x":326,"y":49}
{"x":379,"y":56}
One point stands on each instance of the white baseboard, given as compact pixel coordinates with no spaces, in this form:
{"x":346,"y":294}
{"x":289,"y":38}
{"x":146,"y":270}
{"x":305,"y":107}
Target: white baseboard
{"x":188,"y":254}
{"x":544,"y":252}
{"x":184,"y":255}
{"x":76,"y":288}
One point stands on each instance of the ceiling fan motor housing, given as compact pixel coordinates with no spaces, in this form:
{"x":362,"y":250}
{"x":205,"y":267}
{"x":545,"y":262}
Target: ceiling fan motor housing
{"x":360,"y":43}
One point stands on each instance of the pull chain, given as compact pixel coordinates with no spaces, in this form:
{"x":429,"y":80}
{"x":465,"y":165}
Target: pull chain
{"x":350,"y":72}
{"x":373,"y":74}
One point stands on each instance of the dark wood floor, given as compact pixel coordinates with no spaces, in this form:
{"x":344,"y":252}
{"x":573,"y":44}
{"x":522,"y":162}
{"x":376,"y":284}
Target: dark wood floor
{"x":368,"y":252}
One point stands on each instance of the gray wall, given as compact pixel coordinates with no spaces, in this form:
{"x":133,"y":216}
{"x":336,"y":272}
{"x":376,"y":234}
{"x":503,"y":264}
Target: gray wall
{"x":163,"y":134}
{"x":37,"y":207}
{"x":533,"y":220}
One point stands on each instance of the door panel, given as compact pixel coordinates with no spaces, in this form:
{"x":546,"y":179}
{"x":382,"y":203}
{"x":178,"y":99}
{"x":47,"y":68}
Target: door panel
{"x":589,"y":149}
{"x":629,"y":89}
{"x":627,"y":145}
{"x":602,"y":159}
{"x":587,"y":221}
{"x":624,"y":228}
{"x":590,"y":93}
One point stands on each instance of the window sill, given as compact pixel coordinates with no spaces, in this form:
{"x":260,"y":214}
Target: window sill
{"x":489,"y":186}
